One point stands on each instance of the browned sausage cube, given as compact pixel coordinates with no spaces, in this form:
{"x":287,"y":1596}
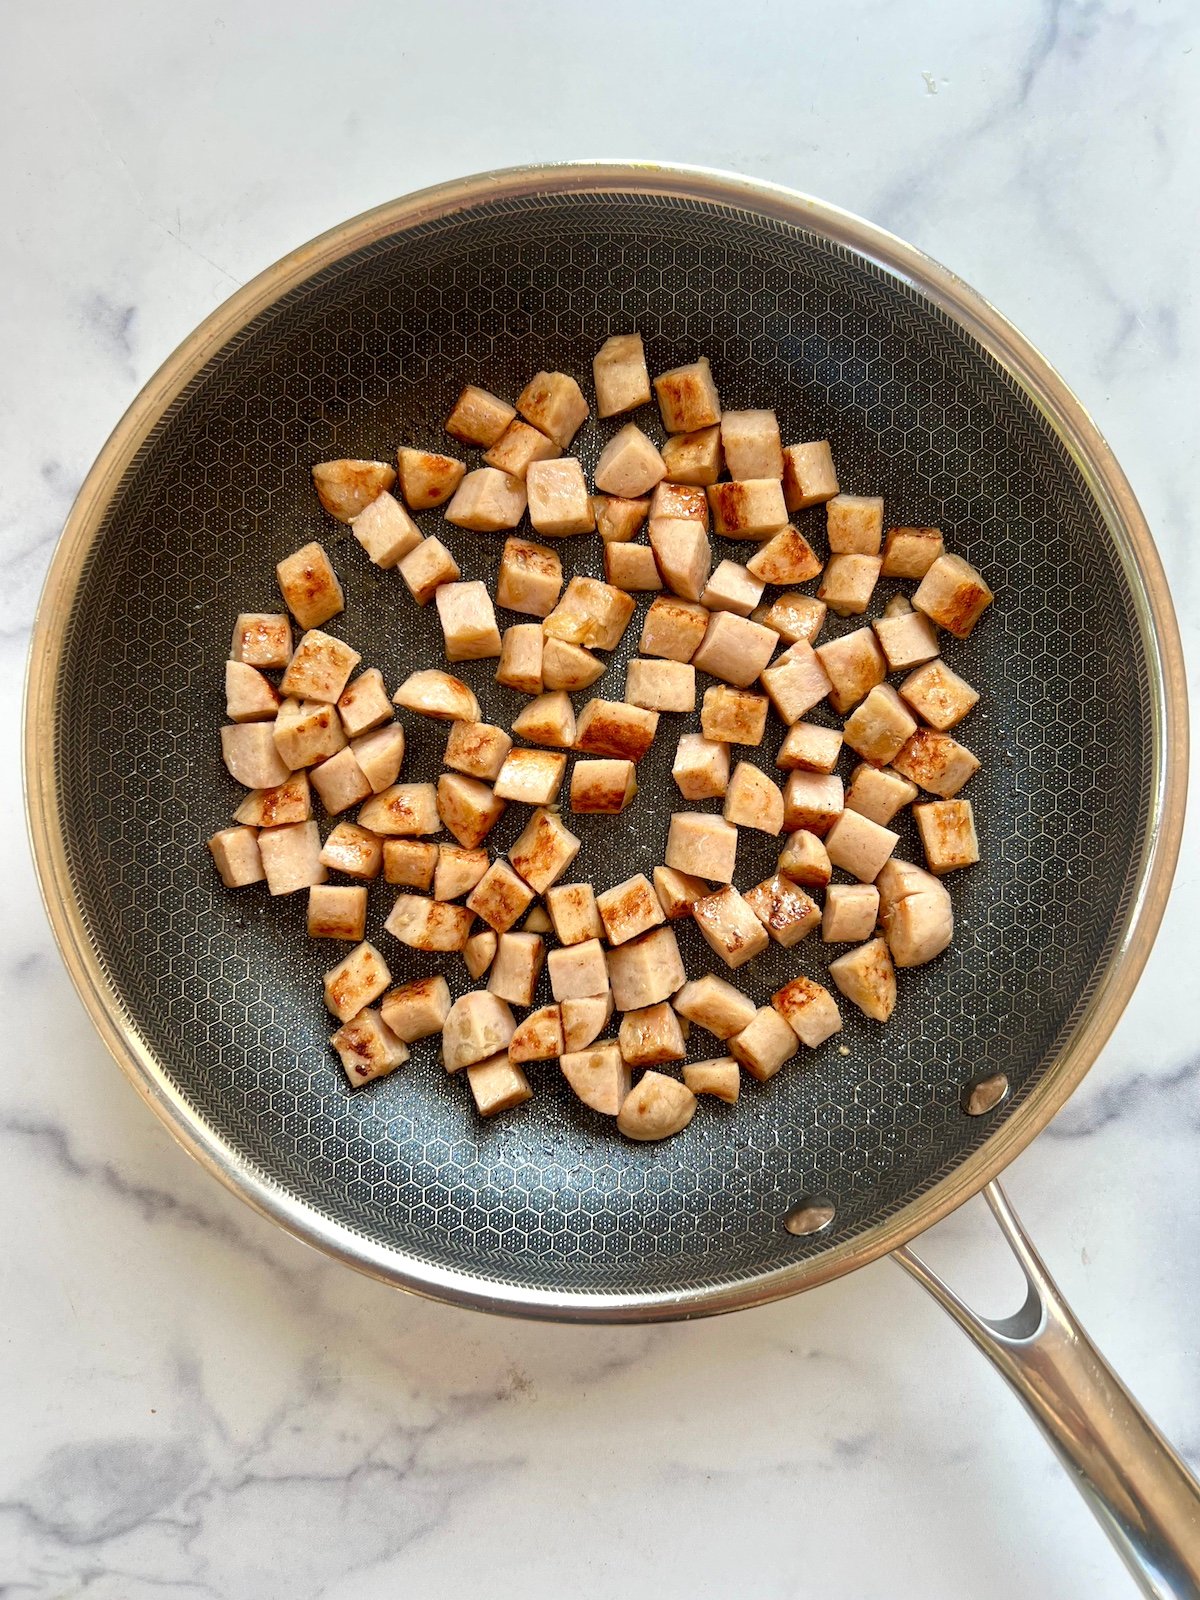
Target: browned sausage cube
{"x":612,"y":728}
{"x":520,"y":664}
{"x":426,"y":567}
{"x":787,"y":557}
{"x":600,"y":1077}
{"x":262,"y":639}
{"x":750,"y":440}
{"x":953,"y":595}
{"x":878,"y":793}
{"x":497,"y":1085}
{"x":291,"y":857}
{"x":340,"y":782}
{"x":714,"y":1004}
{"x":533,"y":777}
{"x":572,"y":908}
{"x":368,"y":1048}
{"x":796,"y":682}
{"x":701,"y":767}
{"x":518,"y":447}
{"x":469,"y":809}
{"x":550,"y":719}
{"x":357,"y":852}
{"x":879,"y":727}
{"x":479,"y":417}
{"x":784,"y":910}
{"x":363,"y":704}
{"x":809,"y":748}
{"x":458,"y":870}
{"x":356,"y":980}
{"x":477,"y":748}
{"x":804,"y":858}
{"x":539,"y":1037}
{"x":750,"y":509}
{"x":694,"y":458}
{"x":249,"y":697}
{"x":429,"y":924}
{"x":235,"y":852}
{"x":602,"y":786}
{"x":729,"y":927}
{"x":672,"y":502}
{"x":631,"y":567}
{"x":812,"y":800}
{"x":656,"y":686}
{"x":320,"y":668}
{"x":500,"y":897}
{"x":569,"y":666}
{"x":288,"y":801}
{"x":907,"y":640}
{"x":794,"y":617}
{"x":650,"y":1036}
{"x":629,"y":909}
{"x":468,"y":621}
{"x":543,"y":850}
{"x":854,"y":524}
{"x":732,"y":716}
{"x":345,"y":488}
{"x":337,"y":911}
{"x":530,"y":577}
{"x":732,"y":587}
{"x":808,"y":474}
{"x":479,"y":952}
{"x":809,"y":1010}
{"x":617,"y":520}
{"x":683,"y":554}
{"x":937,"y":693}
{"x":860,"y":846}
{"x":910,"y":552}
{"x":673,"y":629}
{"x":867,"y":978}
{"x":947,"y":829}
{"x":936,"y":762}
{"x":403,"y":811}
{"x":427,"y":479}
{"x":554,"y":402}
{"x":591,"y":614}
{"x":410,"y":863}
{"x":851,"y":912}
{"x":417,"y":1010}
{"x":309,"y":586}
{"x":855,"y":664}
{"x":848,"y":583}
{"x":380,"y":754}
{"x":752,"y":800}
{"x":305,"y":732}
{"x":720,"y":1078}
{"x":517,"y":967}
{"x":678,"y":892}
{"x":687,"y":397}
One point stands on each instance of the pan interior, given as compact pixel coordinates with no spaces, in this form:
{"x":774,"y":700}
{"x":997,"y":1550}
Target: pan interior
{"x":223,"y":988}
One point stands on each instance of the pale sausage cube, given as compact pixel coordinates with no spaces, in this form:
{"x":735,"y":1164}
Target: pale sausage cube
{"x":804,"y":859}
{"x":855,"y":664}
{"x":569,"y":666}
{"x":340,"y":782}
{"x":937,"y":693}
{"x":808,"y":474}
{"x":783,"y":908}
{"x":683,"y":553}
{"x":732,"y":587}
{"x":947,"y":829}
{"x":426,"y":567}
{"x":599,"y":1076}
{"x":479,"y":417}
{"x":851,"y":912}
{"x":673,"y":629}
{"x":907,"y":640}
{"x":729,"y":927}
{"x":812,"y":800}
{"x":732,"y":716}
{"x":549,"y":719}
{"x":386,"y":531}
{"x":479,"y":952}
{"x":572,"y":908}
{"x":497,"y":1085}
{"x":878,"y":729}
{"x":591,"y":614}
{"x":867,"y":978}
{"x":517,"y":448}
{"x":305,"y":732}
{"x":486,"y":501}
{"x":517,"y":967}
{"x":860,"y":846}
{"x":910,"y":552}
{"x":236,"y":856}
{"x":438,"y":695}
{"x":628,"y":909}
{"x":687,"y":397}
{"x":262,"y":639}
{"x":363,"y":704}
{"x":579,"y":971}
{"x":337,"y":911}
{"x":368,"y":1048}
{"x":458,"y":870}
{"x":651,"y":1036}
{"x":251,"y":754}
{"x":476,"y":748}
{"x":539,"y":1037}
{"x":468,"y":808}
{"x":657,"y":1108}
{"x":679,"y":502}
{"x":380,"y":754}
{"x":427,"y":479}
{"x":677,"y":892}
{"x":416,"y":1010}
{"x":530,"y":577}
{"x":538,"y":921}
{"x":854,"y":524}
{"x":646,"y":970}
{"x":936,"y":762}
{"x":559,"y":503}
{"x":533,"y":777}
{"x":554,"y":402}
{"x":660,"y":685}
{"x":543,"y":850}
{"x":355,"y":852}
{"x":752,"y":800}
{"x":809,"y":1010}
{"x":629,"y":465}
{"x":585,"y":1018}
{"x":764,"y":1044}
{"x":795,"y":617}
{"x":721,"y":1078}
{"x":750,"y":509}
{"x":848,"y":583}
{"x":603,"y":786}
{"x":435,"y":925}
{"x":899,"y":606}
{"x":810,"y":748}
{"x":320,"y":668}
{"x":620,"y":374}
{"x":404,"y":811}
{"x":612,"y":728}
{"x":409,"y":863}
{"x":916,"y":913}
{"x":750,"y":440}
{"x":500,"y":897}
{"x":796,"y":682}
{"x":345,"y":488}
{"x":694,"y":458}
{"x":309,"y":586}
{"x":617,"y":520}
{"x":477,"y":1026}
{"x":289,"y":801}
{"x":787,"y":557}
{"x":468,"y":621}
{"x":249,"y":697}
{"x":631,"y":567}
{"x":701,"y":767}
{"x":358,"y":978}
{"x":714,"y":1004}
{"x":878,"y":793}
{"x":702,"y":845}
{"x":520,"y":664}
{"x":735,"y":649}
{"x":953,"y":595}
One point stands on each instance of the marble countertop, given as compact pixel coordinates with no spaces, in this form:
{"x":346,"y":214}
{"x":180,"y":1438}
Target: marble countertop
{"x":194,"y":1403}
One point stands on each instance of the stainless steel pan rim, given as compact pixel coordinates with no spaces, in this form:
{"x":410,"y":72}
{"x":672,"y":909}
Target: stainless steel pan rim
{"x":1105,"y":481}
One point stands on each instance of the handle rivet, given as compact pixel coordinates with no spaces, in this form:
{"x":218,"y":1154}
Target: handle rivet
{"x":981,"y":1095}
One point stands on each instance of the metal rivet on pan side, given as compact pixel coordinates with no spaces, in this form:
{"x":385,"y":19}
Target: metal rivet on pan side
{"x":984,"y":1094}
{"x":813,"y":1215}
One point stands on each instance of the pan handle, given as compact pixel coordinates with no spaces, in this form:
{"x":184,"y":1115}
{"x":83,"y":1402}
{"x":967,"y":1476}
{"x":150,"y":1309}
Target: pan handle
{"x":1136,"y":1486}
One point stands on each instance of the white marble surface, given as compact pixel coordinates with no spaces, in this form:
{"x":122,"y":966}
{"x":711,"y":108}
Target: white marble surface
{"x":194,"y":1404}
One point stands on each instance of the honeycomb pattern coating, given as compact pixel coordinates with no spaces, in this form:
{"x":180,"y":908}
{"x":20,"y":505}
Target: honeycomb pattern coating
{"x":223,"y":987}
